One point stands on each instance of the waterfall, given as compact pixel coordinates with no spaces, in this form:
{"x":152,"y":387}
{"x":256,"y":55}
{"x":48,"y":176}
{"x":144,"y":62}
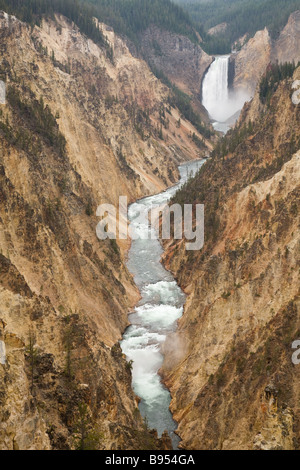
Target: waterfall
{"x":222,"y":105}
{"x":2,"y":353}
{"x":215,"y":89}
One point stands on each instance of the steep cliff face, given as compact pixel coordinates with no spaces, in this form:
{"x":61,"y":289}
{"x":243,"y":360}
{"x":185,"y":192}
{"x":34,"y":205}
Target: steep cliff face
{"x":77,"y":129}
{"x":287,"y":48}
{"x":182,"y":61}
{"x":229,"y":366}
{"x":251,"y":62}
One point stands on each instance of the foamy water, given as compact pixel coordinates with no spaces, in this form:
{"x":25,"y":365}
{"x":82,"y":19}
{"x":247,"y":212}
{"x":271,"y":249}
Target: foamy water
{"x":156,"y":314}
{"x":222,"y":104}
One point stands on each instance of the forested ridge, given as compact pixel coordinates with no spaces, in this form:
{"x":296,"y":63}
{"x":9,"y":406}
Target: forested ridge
{"x":131,"y":17}
{"x":242,"y":17}
{"x":127,"y":17}
{"x":32,"y":12}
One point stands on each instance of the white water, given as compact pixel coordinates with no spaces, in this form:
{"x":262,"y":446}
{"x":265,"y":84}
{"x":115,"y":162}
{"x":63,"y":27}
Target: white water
{"x":222,"y":105}
{"x":2,"y":353}
{"x":155,"y":316}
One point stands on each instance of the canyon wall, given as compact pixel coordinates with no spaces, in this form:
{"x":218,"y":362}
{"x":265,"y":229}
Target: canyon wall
{"x":78,"y":128}
{"x":252,"y":60}
{"x":229,"y":367}
{"x":287,"y":46}
{"x":182,"y":62}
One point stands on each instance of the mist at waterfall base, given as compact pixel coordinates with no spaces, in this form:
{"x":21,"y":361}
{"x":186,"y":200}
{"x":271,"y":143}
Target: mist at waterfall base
{"x":155,"y":316}
{"x":222,"y":104}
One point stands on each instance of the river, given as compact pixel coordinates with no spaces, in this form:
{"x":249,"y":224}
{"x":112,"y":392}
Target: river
{"x":156,"y":314}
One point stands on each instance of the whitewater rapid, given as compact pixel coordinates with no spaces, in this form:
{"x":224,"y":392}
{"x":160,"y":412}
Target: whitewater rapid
{"x":156,"y":314}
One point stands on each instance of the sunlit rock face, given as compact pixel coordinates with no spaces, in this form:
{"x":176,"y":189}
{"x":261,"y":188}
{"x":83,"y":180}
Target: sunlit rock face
{"x":236,"y":386}
{"x":287,"y":47}
{"x":56,"y":276}
{"x":251,"y":61}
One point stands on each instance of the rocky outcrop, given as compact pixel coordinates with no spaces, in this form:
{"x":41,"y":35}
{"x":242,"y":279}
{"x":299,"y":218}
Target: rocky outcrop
{"x":218,"y":29}
{"x":287,"y":46}
{"x":182,"y":61}
{"x":252,"y":60}
{"x":229,"y":367}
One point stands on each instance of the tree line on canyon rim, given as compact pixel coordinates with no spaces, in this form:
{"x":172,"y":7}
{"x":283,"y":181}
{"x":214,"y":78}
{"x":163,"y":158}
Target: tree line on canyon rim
{"x":186,"y":17}
{"x":127,"y":17}
{"x":130,"y":17}
{"x":241,"y":16}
